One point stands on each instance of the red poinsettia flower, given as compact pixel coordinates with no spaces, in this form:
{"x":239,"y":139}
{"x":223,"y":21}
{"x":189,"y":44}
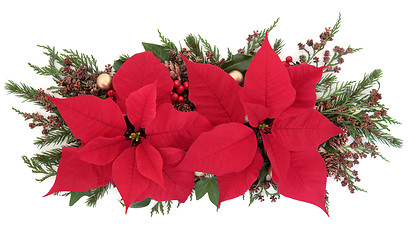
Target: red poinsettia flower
{"x":137,"y":152}
{"x":279,"y":103}
{"x":140,"y":70}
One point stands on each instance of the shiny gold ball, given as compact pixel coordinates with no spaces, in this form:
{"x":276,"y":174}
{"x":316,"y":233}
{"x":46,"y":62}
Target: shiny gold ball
{"x":104,"y":81}
{"x":237,"y":76}
{"x":199,"y":174}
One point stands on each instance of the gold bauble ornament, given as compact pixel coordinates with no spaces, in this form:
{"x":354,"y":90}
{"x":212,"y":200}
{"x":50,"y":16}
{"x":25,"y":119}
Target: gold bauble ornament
{"x":104,"y":81}
{"x":199,"y":174}
{"x":237,"y":76}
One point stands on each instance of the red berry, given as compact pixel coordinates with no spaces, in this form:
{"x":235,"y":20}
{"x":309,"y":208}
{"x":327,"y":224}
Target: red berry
{"x":186,"y":85}
{"x":180,"y":89}
{"x":286,"y":64}
{"x":180,"y":99}
{"x":289,"y":59}
{"x":111,"y":93}
{"x":177,"y":83}
{"x":174,"y":97}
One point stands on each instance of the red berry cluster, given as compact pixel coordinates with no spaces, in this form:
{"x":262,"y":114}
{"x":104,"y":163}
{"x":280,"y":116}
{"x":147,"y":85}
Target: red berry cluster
{"x":287,"y":61}
{"x":111,"y":93}
{"x":178,"y":90}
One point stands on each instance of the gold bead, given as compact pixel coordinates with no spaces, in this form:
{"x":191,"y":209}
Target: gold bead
{"x":237,"y":76}
{"x":104,"y":81}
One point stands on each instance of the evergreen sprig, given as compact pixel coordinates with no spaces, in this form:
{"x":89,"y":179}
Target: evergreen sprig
{"x":38,"y":167}
{"x":23,"y":91}
{"x":167,"y":43}
{"x":97,"y":194}
{"x":253,"y":45}
{"x":56,"y":137}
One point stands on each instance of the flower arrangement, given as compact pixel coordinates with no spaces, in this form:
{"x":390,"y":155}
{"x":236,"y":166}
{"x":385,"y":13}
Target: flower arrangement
{"x":171,"y":123}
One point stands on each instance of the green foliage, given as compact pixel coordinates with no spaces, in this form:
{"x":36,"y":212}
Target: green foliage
{"x":253,"y":45}
{"x":75,"y":196}
{"x":159,"y":208}
{"x":278,"y":45}
{"x":238,"y":62}
{"x":56,"y":61}
{"x":214,"y":49}
{"x":56,"y":136}
{"x":23,"y":91}
{"x":210,"y":186}
{"x":159,"y":51}
{"x":194,"y":44}
{"x":118,"y":63}
{"x":38,"y":167}
{"x":141,"y":204}
{"x":167,"y":43}
{"x":97,"y":194}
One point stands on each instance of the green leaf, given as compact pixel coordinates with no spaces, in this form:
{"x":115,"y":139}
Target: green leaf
{"x":159,"y":51}
{"x":75,"y":196}
{"x":238,"y":62}
{"x":210,"y":186}
{"x":141,"y":204}
{"x":117,"y":64}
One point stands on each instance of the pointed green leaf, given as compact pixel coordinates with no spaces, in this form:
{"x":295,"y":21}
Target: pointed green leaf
{"x":159,"y":51}
{"x":75,"y":196}
{"x":238,"y":62}
{"x":210,"y":186}
{"x":141,"y":204}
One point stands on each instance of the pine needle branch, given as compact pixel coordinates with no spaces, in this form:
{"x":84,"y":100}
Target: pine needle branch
{"x":167,"y":43}
{"x":55,"y":137}
{"x":97,"y":194}
{"x":79,"y":59}
{"x":38,"y":167}
{"x":24,"y":91}
{"x":214,"y":49}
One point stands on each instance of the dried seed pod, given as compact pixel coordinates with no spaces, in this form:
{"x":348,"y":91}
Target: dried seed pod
{"x":338,"y":141}
{"x":173,"y":75}
{"x":177,"y":69}
{"x":171,"y":66}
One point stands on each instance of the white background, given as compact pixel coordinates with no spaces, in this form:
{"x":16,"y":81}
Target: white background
{"x":107,"y":29}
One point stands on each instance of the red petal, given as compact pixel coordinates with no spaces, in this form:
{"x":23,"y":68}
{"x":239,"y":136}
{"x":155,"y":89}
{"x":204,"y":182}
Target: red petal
{"x":77,"y":176}
{"x":306,"y":178}
{"x":256,"y":113}
{"x":278,"y":156}
{"x":177,"y":184}
{"x":308,"y":130}
{"x":127,"y":178}
{"x":267,"y":82}
{"x":89,"y":117}
{"x":172,"y":128}
{"x":304,"y":79}
{"x":233,"y":185}
{"x":149,"y":161}
{"x":214,"y":93}
{"x":102,"y":151}
{"x":141,"y":106}
{"x":171,"y":157}
{"x":227,"y":148}
{"x":140,"y":70}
